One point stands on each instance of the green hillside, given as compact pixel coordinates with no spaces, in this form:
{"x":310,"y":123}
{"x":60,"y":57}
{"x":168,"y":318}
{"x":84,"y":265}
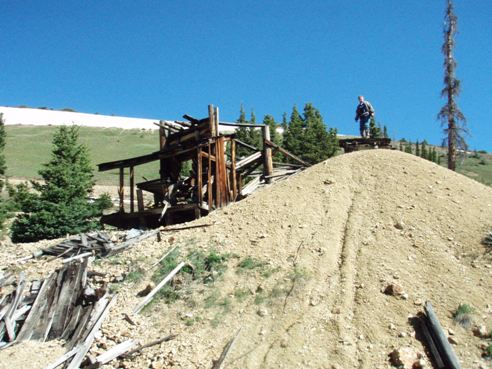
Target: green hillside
{"x":28,"y":147}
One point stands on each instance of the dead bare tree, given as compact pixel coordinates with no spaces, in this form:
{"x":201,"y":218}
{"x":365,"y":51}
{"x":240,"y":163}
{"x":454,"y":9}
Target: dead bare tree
{"x":450,"y":115}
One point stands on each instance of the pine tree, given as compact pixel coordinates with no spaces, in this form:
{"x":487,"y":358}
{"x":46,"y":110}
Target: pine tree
{"x":61,"y":205}
{"x":3,"y":165}
{"x":318,"y":144}
{"x":254,"y":134}
{"x":408,"y":148}
{"x":374,"y":130}
{"x":294,"y":135}
{"x":274,"y":136}
{"x":242,"y":134}
{"x":450,"y":115}
{"x":385,"y":132}
{"x":417,"y":148}
{"x":423,"y":150}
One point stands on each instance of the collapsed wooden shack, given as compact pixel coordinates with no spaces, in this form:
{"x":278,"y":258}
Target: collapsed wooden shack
{"x":217,"y":177}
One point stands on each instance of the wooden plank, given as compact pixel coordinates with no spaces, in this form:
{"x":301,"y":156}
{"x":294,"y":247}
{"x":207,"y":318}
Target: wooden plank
{"x":227,"y":348}
{"x":209,"y":177}
{"x":440,"y":339}
{"x":233,"y":170}
{"x":132,"y":189}
{"x":199,"y":176}
{"x":150,"y":344}
{"x":150,"y":296}
{"x":248,"y":160}
{"x":77,"y":257}
{"x":113,"y":353}
{"x":216,"y":120}
{"x":218,"y":202}
{"x":162,"y":258}
{"x":244,"y":144}
{"x":86,"y":345}
{"x":267,"y":155}
{"x":131,"y":242}
{"x":39,"y":305}
{"x":430,"y":343}
{"x":286,"y":153}
{"x":211,"y":120}
{"x":121,"y":190}
{"x":248,"y":125}
{"x":9,"y":322}
{"x":140,"y":201}
{"x":61,"y":359}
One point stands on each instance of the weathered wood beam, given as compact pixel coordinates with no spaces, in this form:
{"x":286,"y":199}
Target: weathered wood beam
{"x":286,"y":153}
{"x":248,"y":160}
{"x":248,"y":125}
{"x":267,"y":155}
{"x":442,"y":343}
{"x":151,"y":295}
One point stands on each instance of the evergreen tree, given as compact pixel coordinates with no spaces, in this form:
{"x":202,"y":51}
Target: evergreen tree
{"x":254,"y":134}
{"x":423,"y":150}
{"x":374,"y":130}
{"x":3,"y":165}
{"x":60,"y":206}
{"x":318,"y":144}
{"x":408,"y":147}
{"x":401,"y":145}
{"x":385,"y":132}
{"x":294,"y":135}
{"x":450,"y":115}
{"x":274,"y":136}
{"x":242,"y":134}
{"x":417,"y":148}
{"x":434,"y":155}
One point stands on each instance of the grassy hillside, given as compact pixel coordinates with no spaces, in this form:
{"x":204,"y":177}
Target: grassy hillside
{"x":28,"y":148}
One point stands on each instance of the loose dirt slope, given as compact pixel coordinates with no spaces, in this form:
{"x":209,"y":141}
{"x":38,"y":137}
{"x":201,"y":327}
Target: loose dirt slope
{"x":330,"y":239}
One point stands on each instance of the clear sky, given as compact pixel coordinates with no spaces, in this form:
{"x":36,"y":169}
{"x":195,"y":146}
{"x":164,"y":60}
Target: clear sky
{"x":162,"y":59}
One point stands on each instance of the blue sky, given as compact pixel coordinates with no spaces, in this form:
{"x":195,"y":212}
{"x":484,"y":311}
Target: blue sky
{"x":162,"y":59}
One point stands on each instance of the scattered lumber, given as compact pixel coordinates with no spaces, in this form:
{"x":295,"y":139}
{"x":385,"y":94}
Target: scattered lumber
{"x":439,"y":340}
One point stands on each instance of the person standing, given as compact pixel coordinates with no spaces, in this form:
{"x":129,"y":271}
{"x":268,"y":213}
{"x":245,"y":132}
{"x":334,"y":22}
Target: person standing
{"x":363,"y":113}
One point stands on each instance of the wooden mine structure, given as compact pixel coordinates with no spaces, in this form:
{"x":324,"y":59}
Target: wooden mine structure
{"x":361,"y":143}
{"x":218,"y":176}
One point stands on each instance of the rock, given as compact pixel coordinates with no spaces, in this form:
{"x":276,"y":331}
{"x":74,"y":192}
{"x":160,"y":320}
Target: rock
{"x":393,"y":289}
{"x":405,"y":357}
{"x":402,"y":334}
{"x":262,"y":312}
{"x":284,"y":343}
{"x":146,"y":290}
{"x":157,"y":365}
{"x":418,"y":302}
{"x":481,"y":331}
{"x":404,"y":296}
{"x":451,"y":332}
{"x":452,"y":340}
{"x":399,"y":225}
{"x":392,"y":326}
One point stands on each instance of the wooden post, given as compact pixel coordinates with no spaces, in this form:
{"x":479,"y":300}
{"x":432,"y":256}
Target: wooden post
{"x":162,"y":143}
{"x":199,"y":176}
{"x":211,"y":120}
{"x":218,"y":161}
{"x":132,"y":189}
{"x":216,"y":120}
{"x":267,"y":155}
{"x":140,"y":202}
{"x":209,"y":178}
{"x":233,"y":169}
{"x":121,"y":191}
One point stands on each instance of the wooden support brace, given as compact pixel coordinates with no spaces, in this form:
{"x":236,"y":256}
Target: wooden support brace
{"x":121,"y":190}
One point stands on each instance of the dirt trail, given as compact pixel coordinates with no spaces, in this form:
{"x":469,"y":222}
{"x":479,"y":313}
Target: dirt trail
{"x":331,"y":237}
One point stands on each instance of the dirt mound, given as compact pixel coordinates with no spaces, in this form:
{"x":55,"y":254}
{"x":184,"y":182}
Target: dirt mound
{"x":308,"y":259}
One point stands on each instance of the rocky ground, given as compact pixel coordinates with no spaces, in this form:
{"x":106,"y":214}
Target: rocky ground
{"x":304,"y":266}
